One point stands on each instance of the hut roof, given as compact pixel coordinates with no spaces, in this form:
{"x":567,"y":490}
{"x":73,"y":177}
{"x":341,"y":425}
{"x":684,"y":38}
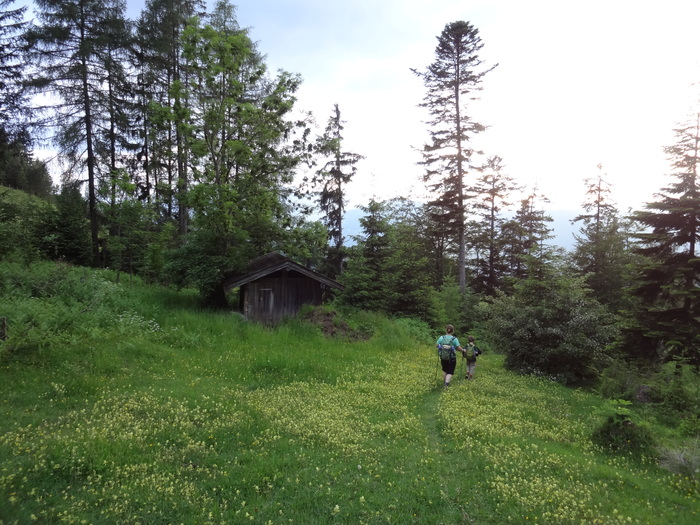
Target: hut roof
{"x":271,"y":263}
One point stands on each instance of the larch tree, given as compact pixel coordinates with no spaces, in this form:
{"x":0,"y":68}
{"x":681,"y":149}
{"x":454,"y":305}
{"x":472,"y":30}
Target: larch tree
{"x":17,"y":167}
{"x":116,"y":139}
{"x":452,"y":82}
{"x":12,"y":97}
{"x":70,"y":50}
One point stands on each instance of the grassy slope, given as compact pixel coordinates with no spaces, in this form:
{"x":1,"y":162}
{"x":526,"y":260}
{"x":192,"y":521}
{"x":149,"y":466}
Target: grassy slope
{"x":140,"y":409}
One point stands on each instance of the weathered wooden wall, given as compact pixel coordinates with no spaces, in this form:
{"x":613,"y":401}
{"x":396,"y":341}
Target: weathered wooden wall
{"x":279,"y":295}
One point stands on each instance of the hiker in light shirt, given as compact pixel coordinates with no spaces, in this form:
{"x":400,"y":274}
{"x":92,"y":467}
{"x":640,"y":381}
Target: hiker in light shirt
{"x":447,"y":346}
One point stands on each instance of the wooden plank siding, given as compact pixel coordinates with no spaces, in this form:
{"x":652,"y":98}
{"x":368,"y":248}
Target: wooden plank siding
{"x":276,"y":287}
{"x":272,"y":298}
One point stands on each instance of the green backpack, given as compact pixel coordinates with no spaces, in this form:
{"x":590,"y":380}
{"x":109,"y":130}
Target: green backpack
{"x":446,"y":351}
{"x":469,"y":352}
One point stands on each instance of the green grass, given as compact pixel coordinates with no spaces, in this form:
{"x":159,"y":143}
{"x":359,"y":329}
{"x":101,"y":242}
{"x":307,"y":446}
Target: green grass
{"x":122,"y":403}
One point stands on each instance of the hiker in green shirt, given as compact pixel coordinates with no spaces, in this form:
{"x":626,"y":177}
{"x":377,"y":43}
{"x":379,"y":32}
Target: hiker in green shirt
{"x":448,"y":346}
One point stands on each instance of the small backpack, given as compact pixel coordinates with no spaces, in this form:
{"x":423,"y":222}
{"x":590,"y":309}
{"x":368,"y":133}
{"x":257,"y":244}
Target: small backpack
{"x":446,"y":351}
{"x":470,"y":351}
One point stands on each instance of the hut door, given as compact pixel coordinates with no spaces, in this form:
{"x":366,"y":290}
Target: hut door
{"x":265,"y":304}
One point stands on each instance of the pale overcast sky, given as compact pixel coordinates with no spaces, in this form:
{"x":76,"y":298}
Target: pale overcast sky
{"x":579,"y":83}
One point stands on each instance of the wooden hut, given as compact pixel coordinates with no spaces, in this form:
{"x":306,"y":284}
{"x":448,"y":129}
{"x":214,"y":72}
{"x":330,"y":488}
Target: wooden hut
{"x":275,"y":287}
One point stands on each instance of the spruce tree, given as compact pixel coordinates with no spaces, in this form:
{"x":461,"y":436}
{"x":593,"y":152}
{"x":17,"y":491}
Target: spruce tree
{"x":365,"y":274}
{"x":161,"y":67}
{"x":549,"y":327}
{"x":492,"y":194}
{"x":452,"y":82}
{"x":72,"y":240}
{"x":666,"y":322}
{"x":525,"y":235}
{"x":331,"y":179}
{"x":600,"y":254}
{"x":407,"y":280}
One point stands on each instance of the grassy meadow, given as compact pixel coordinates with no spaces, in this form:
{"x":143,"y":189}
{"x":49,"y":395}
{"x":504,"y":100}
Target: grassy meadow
{"x":124,"y":403}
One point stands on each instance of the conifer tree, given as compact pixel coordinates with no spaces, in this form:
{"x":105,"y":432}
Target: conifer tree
{"x":666,"y":322}
{"x":525,"y":235}
{"x":365,"y":274}
{"x":443,"y":246}
{"x":70,"y":49}
{"x":549,"y":327}
{"x":71,"y":227}
{"x":13,"y":104}
{"x":331,"y":179}
{"x":492,"y":193}
{"x":388,"y":269}
{"x":408,"y":286}
{"x":451,"y":83}
{"x":600,"y":254}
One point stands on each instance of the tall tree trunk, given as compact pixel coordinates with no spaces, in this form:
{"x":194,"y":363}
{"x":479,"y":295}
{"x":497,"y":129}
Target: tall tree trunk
{"x":92,"y":195}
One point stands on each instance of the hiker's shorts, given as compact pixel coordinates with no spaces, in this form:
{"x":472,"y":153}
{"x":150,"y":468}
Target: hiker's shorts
{"x":449,"y":365}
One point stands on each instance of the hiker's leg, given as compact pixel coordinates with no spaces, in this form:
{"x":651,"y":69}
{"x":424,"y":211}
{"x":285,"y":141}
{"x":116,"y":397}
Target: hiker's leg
{"x":450,"y":370}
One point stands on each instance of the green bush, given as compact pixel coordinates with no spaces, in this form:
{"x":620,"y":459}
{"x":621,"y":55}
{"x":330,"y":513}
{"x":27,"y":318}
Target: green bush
{"x":678,"y":390}
{"x":622,"y":380}
{"x":549,"y":327}
{"x":620,"y":434}
{"x":417,"y":330}
{"x":690,"y":426}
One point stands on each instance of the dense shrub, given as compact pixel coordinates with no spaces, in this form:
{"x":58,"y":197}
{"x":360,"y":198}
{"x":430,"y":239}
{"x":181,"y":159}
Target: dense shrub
{"x":25,"y":226}
{"x":415,"y":329}
{"x":619,"y":433}
{"x":622,"y":380}
{"x":550,"y":327}
{"x":679,"y":389}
